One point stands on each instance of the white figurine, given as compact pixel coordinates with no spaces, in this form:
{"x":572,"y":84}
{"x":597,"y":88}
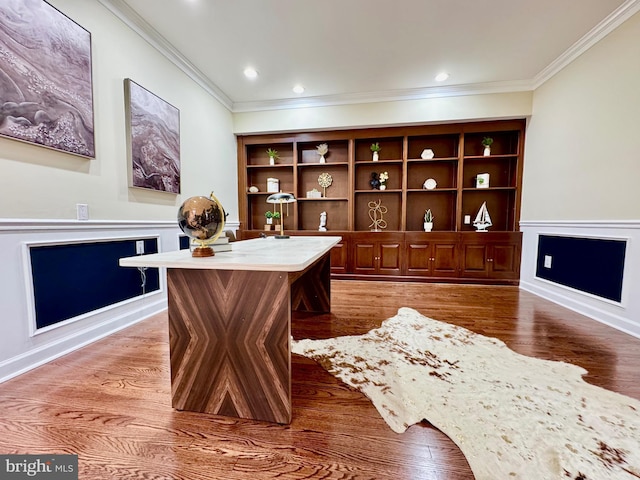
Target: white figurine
{"x":323,"y":222}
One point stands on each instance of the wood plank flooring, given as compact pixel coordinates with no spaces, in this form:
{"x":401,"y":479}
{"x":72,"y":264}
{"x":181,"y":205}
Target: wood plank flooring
{"x":110,"y":402}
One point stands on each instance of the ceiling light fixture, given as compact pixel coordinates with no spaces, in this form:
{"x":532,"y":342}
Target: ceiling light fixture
{"x":250,"y":72}
{"x":441,"y":77}
{"x":298,"y":89}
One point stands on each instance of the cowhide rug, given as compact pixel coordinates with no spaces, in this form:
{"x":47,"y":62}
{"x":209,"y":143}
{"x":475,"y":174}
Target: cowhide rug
{"x":513,"y":416}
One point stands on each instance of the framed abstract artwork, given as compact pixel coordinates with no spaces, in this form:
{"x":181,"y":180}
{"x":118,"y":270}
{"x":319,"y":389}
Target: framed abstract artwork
{"x":46,"y":91}
{"x":153,"y":135}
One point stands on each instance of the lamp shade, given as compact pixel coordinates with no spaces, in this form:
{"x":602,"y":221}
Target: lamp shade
{"x":281,"y":198}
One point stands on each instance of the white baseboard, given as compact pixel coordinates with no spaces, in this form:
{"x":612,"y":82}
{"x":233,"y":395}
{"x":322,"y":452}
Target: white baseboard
{"x":22,"y":363}
{"x":600,"y":315}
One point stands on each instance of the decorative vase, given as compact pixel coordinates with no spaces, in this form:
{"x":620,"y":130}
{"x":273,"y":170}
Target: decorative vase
{"x":375,"y":156}
{"x":383,"y":187}
{"x":269,"y":221}
{"x":428,"y":226}
{"x":487,"y":151}
{"x":322,"y":160}
{"x":267,"y":227}
{"x":272,"y":161}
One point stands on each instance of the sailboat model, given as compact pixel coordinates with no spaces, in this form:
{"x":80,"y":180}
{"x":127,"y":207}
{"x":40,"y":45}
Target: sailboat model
{"x":483,"y":220}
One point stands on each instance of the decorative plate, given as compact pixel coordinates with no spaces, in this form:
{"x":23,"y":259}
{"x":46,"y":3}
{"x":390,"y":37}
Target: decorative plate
{"x":430,"y":184}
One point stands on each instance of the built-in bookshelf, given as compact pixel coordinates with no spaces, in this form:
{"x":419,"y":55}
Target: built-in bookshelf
{"x":432,"y":167}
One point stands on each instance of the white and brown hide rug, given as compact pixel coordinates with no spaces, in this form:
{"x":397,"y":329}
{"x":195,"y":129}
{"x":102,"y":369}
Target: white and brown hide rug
{"x":513,"y":416}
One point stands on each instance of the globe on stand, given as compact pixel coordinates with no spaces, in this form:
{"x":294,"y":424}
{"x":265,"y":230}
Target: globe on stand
{"x":202,"y":220}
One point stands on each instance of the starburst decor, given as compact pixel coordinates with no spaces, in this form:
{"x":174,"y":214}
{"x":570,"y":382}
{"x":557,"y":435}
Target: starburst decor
{"x":325,"y":180}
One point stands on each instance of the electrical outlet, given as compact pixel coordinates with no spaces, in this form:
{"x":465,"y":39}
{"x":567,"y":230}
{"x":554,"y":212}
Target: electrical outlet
{"x":82,"y":211}
{"x":467,"y":219}
{"x":547,"y":261}
{"x":139,"y":247}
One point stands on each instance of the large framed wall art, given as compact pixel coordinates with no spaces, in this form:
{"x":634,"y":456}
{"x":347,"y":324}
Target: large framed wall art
{"x":153,"y":135}
{"x":46,"y":92}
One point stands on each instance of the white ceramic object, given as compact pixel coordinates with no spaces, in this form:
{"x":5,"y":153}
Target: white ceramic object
{"x":429,"y":184}
{"x":427,"y":154}
{"x":253,"y":189}
{"x":273,"y":185}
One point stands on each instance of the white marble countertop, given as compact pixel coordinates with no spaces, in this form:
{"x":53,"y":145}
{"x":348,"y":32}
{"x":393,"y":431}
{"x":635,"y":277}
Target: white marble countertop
{"x":262,"y":254}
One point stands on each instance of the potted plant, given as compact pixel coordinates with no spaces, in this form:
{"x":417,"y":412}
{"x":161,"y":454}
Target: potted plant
{"x":322,"y":150}
{"x":375,"y":148}
{"x":276,"y":217}
{"x":486,"y":143}
{"x":273,"y":156}
{"x":269,"y":216}
{"x":428,"y":220}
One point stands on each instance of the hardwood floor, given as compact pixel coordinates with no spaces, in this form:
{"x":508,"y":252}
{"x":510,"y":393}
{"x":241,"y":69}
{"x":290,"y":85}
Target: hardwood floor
{"x":110,"y":402}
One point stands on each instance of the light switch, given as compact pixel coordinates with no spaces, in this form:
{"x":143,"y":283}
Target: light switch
{"x":547,"y":261}
{"x":467,"y":219}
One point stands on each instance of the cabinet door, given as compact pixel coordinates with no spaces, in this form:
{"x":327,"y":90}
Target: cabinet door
{"x":475,"y":260}
{"x":339,"y":258}
{"x":389,"y":258}
{"x":418,"y":258}
{"x":432,"y":258}
{"x":444,"y":259}
{"x":505,"y":260}
{"x":364,"y":257}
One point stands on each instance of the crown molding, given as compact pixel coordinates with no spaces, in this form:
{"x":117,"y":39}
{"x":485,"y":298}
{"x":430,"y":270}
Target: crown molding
{"x":597,"y":33}
{"x":134,"y":21}
{"x":385,"y":96}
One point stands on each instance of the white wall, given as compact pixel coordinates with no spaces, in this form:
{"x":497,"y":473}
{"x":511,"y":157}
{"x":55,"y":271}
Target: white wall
{"x":430,"y":110}
{"x":40,"y":183}
{"x":39,"y":187}
{"x":582,"y":166}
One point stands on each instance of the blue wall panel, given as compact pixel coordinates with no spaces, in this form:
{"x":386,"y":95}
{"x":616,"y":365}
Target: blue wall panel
{"x":591,"y":265}
{"x":77,"y":278}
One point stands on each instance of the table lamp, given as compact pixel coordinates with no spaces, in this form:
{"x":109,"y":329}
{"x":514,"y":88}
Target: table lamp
{"x":281,"y":198}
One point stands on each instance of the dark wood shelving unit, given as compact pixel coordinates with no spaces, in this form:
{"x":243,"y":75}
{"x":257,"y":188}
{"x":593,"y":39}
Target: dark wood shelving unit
{"x":458,"y":158}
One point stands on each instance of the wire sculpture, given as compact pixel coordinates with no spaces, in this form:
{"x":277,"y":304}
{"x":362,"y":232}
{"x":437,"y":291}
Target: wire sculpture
{"x":376,"y":210}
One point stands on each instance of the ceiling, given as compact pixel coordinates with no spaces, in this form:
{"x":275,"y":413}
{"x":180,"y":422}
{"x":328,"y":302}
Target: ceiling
{"x":350,"y":51}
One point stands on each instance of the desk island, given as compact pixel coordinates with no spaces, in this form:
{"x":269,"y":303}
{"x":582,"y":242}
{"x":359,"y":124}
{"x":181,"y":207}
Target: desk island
{"x":230,"y":321}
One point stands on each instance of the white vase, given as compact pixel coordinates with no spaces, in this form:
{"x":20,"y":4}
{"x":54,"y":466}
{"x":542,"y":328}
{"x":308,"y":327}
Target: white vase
{"x":428,"y":226}
{"x":383,"y":187}
{"x":487,"y":151}
{"x":375,"y":156}
{"x":272,"y":161}
{"x":322,"y":159}
{"x":269,"y":221}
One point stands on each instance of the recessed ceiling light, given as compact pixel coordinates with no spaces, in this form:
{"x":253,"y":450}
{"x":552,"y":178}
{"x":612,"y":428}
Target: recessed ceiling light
{"x":250,"y":72}
{"x":298,"y":89}
{"x":441,"y":77}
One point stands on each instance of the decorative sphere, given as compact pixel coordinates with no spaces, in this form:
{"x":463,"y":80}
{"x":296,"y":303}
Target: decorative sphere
{"x":201,"y":218}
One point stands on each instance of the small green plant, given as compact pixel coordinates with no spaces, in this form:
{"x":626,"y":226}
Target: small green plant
{"x":268,"y":214}
{"x":375,"y":147}
{"x":428,"y":216}
{"x":276,"y":215}
{"x":272,"y":153}
{"x":487,"y":141}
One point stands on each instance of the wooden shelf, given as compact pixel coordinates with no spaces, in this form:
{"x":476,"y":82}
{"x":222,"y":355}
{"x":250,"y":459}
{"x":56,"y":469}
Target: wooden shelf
{"x":323,"y":199}
{"x":458,"y":160}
